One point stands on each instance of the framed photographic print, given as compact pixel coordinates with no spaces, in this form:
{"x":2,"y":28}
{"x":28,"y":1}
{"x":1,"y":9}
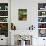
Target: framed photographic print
{"x":22,"y":14}
{"x":3,"y":6}
{"x":42,"y":32}
{"x":41,"y":25}
{"x":41,"y":19}
{"x":3,"y":13}
{"x":41,"y":6}
{"x":4,"y":29}
{"x":3,"y":19}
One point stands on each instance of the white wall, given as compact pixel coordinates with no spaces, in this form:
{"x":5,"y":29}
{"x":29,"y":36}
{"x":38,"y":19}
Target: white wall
{"x":31,"y":7}
{"x":32,"y":14}
{"x":26,"y":4}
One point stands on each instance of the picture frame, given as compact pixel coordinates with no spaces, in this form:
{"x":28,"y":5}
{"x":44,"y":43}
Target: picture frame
{"x":22,"y":14}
